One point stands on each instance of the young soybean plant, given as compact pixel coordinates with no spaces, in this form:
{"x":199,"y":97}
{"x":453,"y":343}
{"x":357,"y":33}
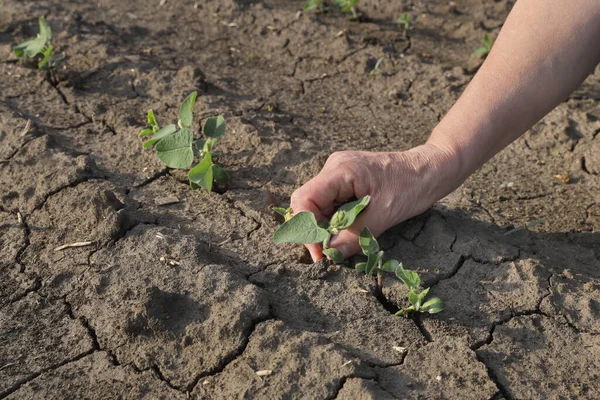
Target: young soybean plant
{"x":411,"y":279}
{"x":39,"y":48}
{"x":175,"y":145}
{"x":318,"y":5}
{"x":303,"y":227}
{"x":485,"y":49}
{"x":349,"y":6}
{"x":404,"y":22}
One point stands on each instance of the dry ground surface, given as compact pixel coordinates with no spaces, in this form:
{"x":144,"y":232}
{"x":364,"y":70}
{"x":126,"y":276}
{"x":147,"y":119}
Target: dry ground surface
{"x":192,"y":299}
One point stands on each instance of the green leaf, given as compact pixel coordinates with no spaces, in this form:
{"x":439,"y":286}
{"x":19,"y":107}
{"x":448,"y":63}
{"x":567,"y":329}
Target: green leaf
{"x":160,"y":134}
{"x":199,"y":144}
{"x":45,"y":31}
{"x":186,"y":111}
{"x":410,"y":278}
{"x":433,"y":305}
{"x":301,"y":228}
{"x":367,"y":242}
{"x":46,"y":54}
{"x":323,"y":224}
{"x":30,"y":48}
{"x":351,"y":211}
{"x":202,"y":174}
{"x":214,"y":127}
{"x":285,"y":212}
{"x":312,"y":4}
{"x":175,"y":151}
{"x":423,"y":294}
{"x":219,"y":174}
{"x":390,"y":266}
{"x":334,"y":254}
{"x":339,"y":220}
{"x":480,"y":52}
{"x":361,"y":267}
{"x":371,"y":263}
{"x":413,"y":298}
{"x":152,"y":120}
{"x":145,"y":132}
{"x":487,"y":43}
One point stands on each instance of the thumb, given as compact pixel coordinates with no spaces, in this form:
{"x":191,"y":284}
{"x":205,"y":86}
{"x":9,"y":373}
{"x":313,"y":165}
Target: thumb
{"x":347,"y":240}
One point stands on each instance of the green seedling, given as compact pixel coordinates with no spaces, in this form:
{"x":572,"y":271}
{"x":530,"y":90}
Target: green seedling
{"x":375,"y":69}
{"x":411,"y":279}
{"x":176,"y":148}
{"x":348,"y":6}
{"x":304,"y":228}
{"x":404,"y":22}
{"x":287,"y":213}
{"x":39,"y":48}
{"x":485,"y":49}
{"x":318,"y":5}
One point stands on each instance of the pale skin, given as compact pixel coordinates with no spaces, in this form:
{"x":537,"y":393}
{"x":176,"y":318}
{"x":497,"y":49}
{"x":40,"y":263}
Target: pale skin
{"x":544,"y":51}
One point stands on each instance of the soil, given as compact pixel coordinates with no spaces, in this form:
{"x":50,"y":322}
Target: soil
{"x":192,"y":299}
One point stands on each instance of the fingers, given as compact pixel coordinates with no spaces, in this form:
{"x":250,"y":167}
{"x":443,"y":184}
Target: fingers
{"x":315,"y":250}
{"x":320,"y":193}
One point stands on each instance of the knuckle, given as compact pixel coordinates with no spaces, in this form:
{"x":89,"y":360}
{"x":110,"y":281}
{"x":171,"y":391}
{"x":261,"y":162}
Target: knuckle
{"x":337,"y":157}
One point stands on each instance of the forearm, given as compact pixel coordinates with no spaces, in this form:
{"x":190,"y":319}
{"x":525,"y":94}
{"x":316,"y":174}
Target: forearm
{"x":544,"y":51}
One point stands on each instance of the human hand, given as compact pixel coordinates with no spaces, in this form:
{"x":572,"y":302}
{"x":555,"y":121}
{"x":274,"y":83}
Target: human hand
{"x":401,"y":185}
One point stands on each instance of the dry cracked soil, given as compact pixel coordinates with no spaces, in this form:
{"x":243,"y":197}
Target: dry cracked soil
{"x":192,"y":299}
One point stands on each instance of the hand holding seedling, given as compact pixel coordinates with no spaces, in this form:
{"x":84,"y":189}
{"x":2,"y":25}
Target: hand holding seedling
{"x":304,"y":228}
{"x":532,"y":67}
{"x":401,"y":185}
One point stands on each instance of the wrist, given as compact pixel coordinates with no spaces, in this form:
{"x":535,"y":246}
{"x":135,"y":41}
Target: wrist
{"x":439,"y":169}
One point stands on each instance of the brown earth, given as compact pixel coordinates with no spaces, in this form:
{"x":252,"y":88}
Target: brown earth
{"x":193,"y":299}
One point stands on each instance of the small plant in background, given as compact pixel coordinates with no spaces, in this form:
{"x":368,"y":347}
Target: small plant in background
{"x":206,"y":171}
{"x":39,"y":48}
{"x":318,"y":5}
{"x":411,"y":279}
{"x":375,"y":69}
{"x":176,"y":148}
{"x":404,"y":22}
{"x":303,"y":227}
{"x":485,"y":49}
{"x":349,"y":6}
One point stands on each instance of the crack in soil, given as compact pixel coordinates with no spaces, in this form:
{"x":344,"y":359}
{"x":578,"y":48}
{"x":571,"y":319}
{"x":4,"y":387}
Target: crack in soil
{"x":85,"y":322}
{"x":22,"y":250}
{"x":37,"y":285}
{"x":76,"y":182}
{"x":235,"y":354}
{"x":338,"y":388}
{"x":148,"y":181}
{"x":17,"y":385}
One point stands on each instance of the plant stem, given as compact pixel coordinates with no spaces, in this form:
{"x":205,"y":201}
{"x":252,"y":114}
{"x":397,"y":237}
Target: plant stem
{"x":380,"y":281}
{"x":326,"y":241}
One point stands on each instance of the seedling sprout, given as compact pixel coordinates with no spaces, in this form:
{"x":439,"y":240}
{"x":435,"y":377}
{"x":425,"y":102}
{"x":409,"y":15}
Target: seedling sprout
{"x":404,"y":22}
{"x":304,"y":228}
{"x":176,"y":148}
{"x":485,"y":49}
{"x":411,"y":279}
{"x":347,"y":6}
{"x":375,"y":69}
{"x":318,"y":5}
{"x":39,"y":48}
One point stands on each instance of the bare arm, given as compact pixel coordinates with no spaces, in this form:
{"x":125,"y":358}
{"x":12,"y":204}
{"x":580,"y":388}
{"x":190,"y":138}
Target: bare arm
{"x":544,"y":51}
